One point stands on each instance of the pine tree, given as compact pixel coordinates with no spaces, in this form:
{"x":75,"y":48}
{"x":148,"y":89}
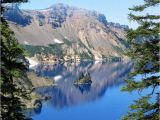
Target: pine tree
{"x":144,"y":50}
{"x":12,"y":70}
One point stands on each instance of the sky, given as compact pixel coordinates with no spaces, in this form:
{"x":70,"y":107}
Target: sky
{"x":114,"y":10}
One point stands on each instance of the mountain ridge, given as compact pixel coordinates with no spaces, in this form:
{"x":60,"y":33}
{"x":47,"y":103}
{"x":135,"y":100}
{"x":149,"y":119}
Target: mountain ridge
{"x":76,"y":25}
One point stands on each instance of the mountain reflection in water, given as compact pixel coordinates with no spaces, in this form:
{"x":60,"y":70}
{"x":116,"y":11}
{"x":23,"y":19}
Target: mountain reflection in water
{"x":65,"y":94}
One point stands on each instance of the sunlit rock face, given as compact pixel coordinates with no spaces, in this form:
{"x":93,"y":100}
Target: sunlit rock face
{"x":103,"y":76}
{"x":88,"y":29}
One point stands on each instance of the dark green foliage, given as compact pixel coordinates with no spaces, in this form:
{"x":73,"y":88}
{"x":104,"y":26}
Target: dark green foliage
{"x":116,"y":59}
{"x":84,"y":56}
{"x":148,"y":3}
{"x":32,"y":50}
{"x":54,"y":49}
{"x":83,"y":79}
{"x":12,"y":71}
{"x":143,"y":110}
{"x":81,"y":76}
{"x":144,"y":50}
{"x":119,"y":50}
{"x":13,"y":1}
{"x":67,"y":42}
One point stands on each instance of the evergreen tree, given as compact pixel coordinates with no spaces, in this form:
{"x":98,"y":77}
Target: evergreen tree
{"x":12,"y":70}
{"x":144,"y":50}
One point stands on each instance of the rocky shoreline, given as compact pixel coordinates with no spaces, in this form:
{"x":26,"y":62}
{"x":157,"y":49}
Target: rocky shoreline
{"x":35,"y":100}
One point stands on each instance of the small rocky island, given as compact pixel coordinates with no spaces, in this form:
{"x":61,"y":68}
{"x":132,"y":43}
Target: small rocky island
{"x":83,"y":79}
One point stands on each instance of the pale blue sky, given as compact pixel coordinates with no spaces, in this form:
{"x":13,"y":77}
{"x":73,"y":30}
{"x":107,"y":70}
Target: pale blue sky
{"x":114,"y":10}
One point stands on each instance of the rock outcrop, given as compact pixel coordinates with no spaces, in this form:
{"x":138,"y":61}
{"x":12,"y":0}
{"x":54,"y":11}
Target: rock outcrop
{"x":89,"y":30}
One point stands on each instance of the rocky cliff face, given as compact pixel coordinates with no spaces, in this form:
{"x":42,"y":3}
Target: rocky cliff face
{"x":85,"y":32}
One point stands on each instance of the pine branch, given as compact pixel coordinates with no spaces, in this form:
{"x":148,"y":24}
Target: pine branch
{"x":146,"y":17}
{"x":13,"y":1}
{"x":148,"y":3}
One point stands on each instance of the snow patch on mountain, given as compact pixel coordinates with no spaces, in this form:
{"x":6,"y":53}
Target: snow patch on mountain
{"x":58,"y":41}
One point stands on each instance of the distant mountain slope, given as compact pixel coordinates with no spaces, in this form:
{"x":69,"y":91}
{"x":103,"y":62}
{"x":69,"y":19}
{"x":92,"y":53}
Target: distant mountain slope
{"x":83,"y":31}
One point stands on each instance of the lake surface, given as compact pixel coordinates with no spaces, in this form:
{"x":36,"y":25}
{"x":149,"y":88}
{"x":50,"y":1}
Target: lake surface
{"x":102,"y":100}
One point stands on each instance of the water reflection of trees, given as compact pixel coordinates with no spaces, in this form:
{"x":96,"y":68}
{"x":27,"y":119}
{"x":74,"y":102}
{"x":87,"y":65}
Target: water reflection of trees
{"x":83,"y":88}
{"x":103,"y":75}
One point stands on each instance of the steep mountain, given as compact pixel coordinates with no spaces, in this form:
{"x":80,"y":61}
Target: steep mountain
{"x":74,"y":30}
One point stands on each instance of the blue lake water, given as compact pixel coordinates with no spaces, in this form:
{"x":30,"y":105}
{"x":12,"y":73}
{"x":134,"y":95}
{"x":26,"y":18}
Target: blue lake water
{"x":102,"y":100}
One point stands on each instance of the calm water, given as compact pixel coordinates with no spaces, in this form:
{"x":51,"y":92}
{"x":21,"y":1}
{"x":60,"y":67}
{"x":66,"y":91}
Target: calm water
{"x":102,"y":100}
